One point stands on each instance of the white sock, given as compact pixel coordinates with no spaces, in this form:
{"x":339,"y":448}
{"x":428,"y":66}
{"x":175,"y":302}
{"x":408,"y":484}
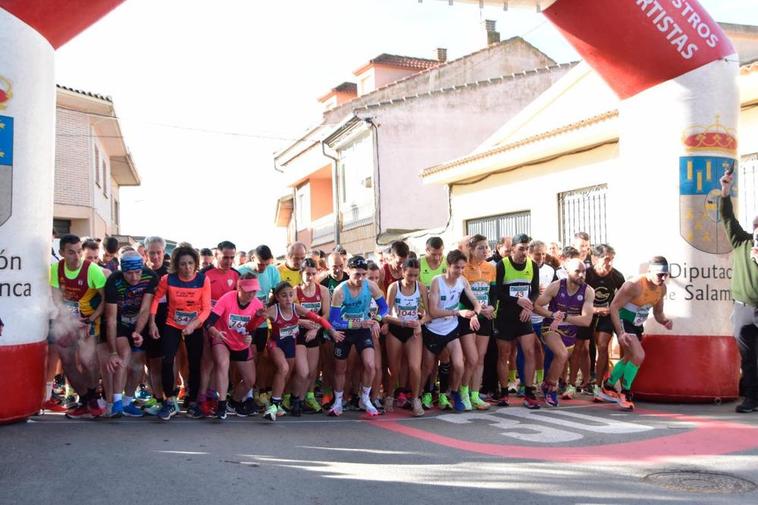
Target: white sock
{"x":365,"y":391}
{"x":338,"y":398}
{"x":128,"y":400}
{"x":116,"y":397}
{"x":249,"y":395}
{"x":48,"y":390}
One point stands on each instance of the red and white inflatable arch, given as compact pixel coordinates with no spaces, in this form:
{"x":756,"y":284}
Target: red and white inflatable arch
{"x":668,"y":60}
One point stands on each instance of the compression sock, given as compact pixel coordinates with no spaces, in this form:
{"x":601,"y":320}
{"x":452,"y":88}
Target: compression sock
{"x":539,"y":376}
{"x":128,"y":400}
{"x":618,"y":372}
{"x":630,"y":372}
{"x":512,"y":376}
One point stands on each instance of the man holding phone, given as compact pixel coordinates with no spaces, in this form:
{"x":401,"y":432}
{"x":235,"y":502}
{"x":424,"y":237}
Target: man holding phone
{"x":745,"y":294}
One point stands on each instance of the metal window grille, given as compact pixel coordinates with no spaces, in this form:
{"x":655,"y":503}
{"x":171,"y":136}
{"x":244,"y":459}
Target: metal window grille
{"x":747,"y":185}
{"x":494,"y":227}
{"x":583,"y":210}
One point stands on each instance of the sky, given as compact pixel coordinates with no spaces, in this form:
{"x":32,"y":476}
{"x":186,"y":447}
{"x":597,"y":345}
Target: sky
{"x":206,"y":92}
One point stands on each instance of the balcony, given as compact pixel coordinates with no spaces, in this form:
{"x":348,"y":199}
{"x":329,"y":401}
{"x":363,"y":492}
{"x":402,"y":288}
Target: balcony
{"x":322,"y":229}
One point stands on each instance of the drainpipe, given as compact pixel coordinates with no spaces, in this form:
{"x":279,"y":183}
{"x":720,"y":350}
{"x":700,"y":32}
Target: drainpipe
{"x":335,"y":196}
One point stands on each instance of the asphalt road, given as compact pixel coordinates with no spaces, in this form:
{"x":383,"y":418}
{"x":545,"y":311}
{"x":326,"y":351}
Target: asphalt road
{"x":581,"y":453}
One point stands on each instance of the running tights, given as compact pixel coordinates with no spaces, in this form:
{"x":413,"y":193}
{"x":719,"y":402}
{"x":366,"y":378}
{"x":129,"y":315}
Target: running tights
{"x":170,"y":340}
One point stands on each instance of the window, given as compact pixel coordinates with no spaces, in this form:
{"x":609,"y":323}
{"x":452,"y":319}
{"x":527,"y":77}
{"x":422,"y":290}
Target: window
{"x":62,"y":226}
{"x":747,"y":186}
{"x":116,"y":213}
{"x":495,"y":227}
{"x":303,"y":206}
{"x":105,"y":178}
{"x":583,"y":210}
{"x":356,"y":172}
{"x":97,"y":166}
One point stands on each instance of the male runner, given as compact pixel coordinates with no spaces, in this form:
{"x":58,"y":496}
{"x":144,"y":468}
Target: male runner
{"x":336,"y":273}
{"x":78,"y":292}
{"x":128,"y":295}
{"x":445,"y":320}
{"x":518,"y":286}
{"x":289,"y":271}
{"x":629,"y":311}
{"x":350,"y":312}
{"x":432,"y":262}
{"x":605,"y":280}
{"x":569,"y":306}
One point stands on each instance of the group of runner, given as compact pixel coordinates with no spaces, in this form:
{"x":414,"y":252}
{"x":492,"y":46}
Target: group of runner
{"x":146,"y":336}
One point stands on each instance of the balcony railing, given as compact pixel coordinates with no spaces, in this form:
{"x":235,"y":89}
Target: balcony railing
{"x":323,"y":229}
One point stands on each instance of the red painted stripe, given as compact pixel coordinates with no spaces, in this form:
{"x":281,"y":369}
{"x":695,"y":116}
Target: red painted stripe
{"x":633,"y":45}
{"x":59,"y":20}
{"x":708,"y":438}
{"x":22,"y":380}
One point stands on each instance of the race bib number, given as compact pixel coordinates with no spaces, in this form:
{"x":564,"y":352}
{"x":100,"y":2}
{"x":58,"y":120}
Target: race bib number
{"x":518,"y":291}
{"x":353,"y":317}
{"x":481,"y":292}
{"x":238,"y":323}
{"x":641,"y":316}
{"x":72,"y":307}
{"x":407,"y":312}
{"x":288,"y":332}
{"x":184,"y":318}
{"x":312,"y":306}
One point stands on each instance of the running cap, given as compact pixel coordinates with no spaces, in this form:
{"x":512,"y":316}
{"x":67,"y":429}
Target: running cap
{"x":658,"y":265}
{"x":131,"y":261}
{"x":249,"y":285}
{"x":357,"y":262}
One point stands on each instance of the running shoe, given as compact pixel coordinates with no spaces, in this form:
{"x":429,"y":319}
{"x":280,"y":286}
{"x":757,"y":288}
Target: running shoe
{"x":311,"y":405}
{"x":80,"y":412}
{"x":132,"y":410}
{"x":212,"y":404}
{"x":458,"y":402}
{"x":205,"y":409}
{"x":503,"y":401}
{"x":748,"y":405}
{"x":625,"y":400}
{"x":596,"y":394}
{"x":417,"y":408}
{"x":477,"y":402}
{"x":402,"y":400}
{"x":569,"y":393}
{"x":521,"y":392}
{"x":389,"y":403}
{"x":262,"y":399}
{"x":168,"y":410}
{"x":96,"y":408}
{"x":608,"y":393}
{"x":143,"y":393}
{"x":426,"y":401}
{"x":194,"y":411}
{"x":443,"y":402}
{"x":287,"y":402}
{"x":249,"y":408}
{"x":117,"y":409}
{"x":297,"y":407}
{"x":465,"y":398}
{"x":153,"y":410}
{"x":327,"y":398}
{"x":280,"y":411}
{"x":531,"y":402}
{"x":53,"y":406}
{"x":233,"y":408}
{"x":336,"y":410}
{"x":151,"y":402}
{"x":551,"y":398}
{"x":365,"y":404}
{"x":271,"y":413}
{"x":514,"y":386}
{"x":182,"y":394}
{"x":221,"y":411}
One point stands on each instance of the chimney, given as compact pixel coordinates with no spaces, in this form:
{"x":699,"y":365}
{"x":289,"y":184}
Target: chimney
{"x":441,"y":54}
{"x":493,"y":37}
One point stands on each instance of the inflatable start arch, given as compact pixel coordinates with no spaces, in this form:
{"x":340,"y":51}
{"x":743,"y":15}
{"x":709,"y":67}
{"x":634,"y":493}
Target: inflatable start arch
{"x":668,"y":60}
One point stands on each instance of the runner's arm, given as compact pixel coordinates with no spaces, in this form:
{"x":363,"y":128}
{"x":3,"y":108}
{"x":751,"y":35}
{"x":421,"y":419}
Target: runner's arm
{"x":623,"y":296}
{"x":472,"y":298}
{"x":391,"y":293}
{"x":111,"y":320}
{"x":658,"y":312}
{"x":144,"y":313}
{"x":585,"y":319}
{"x":540,"y":305}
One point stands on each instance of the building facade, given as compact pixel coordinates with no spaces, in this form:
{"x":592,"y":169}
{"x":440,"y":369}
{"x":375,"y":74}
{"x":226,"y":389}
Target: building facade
{"x":92,"y":163}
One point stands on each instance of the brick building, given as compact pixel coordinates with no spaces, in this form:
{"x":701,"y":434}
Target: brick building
{"x":92,"y":163}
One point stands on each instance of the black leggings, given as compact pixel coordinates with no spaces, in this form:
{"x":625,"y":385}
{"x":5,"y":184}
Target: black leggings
{"x":169,"y":345}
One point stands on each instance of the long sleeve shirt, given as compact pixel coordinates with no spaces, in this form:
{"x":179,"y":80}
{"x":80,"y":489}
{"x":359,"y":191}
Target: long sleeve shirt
{"x":745,"y":269}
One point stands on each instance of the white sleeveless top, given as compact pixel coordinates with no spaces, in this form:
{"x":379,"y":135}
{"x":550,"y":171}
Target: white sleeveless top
{"x":449,"y":300}
{"x":407,"y":306}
